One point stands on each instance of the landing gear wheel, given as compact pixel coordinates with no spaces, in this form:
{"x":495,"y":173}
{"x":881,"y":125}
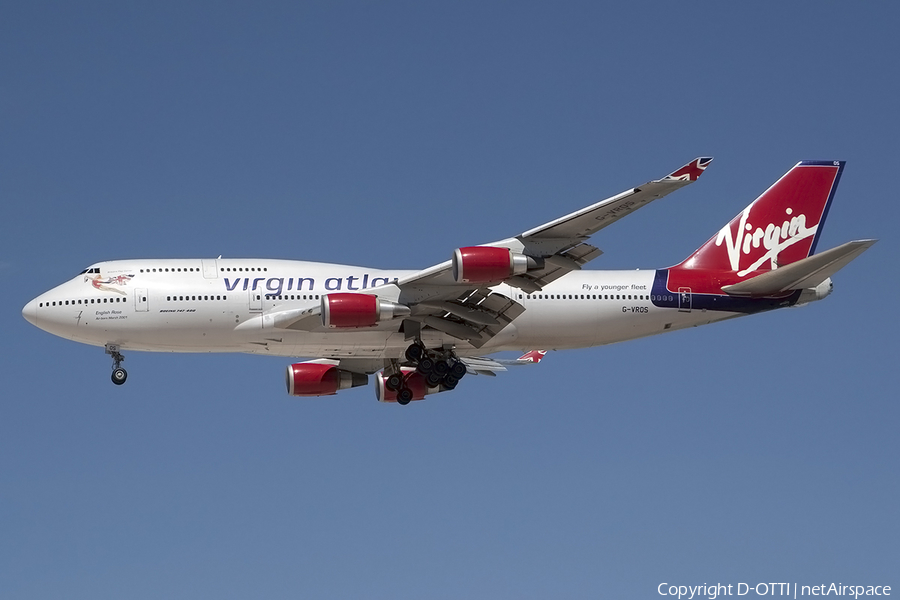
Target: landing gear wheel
{"x":433,"y":379}
{"x":119,"y":375}
{"x":441,"y":367}
{"x":450,"y":382}
{"x":404,"y":396}
{"x":393,"y":382}
{"x":414,"y":352}
{"x":426,"y":366}
{"x":458,"y":370}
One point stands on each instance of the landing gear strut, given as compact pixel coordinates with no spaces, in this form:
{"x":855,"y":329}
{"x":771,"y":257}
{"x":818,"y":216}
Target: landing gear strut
{"x":440,"y":367}
{"x":119,"y":375}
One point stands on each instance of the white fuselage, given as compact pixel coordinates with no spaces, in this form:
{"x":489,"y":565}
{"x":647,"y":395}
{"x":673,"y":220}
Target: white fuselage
{"x":218,"y":305}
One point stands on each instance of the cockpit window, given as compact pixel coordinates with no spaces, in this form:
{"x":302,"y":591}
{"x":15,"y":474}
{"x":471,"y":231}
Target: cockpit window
{"x":89,"y":271}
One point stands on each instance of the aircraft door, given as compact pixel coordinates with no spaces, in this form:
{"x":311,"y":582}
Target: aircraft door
{"x":210,"y":270}
{"x":684,"y":299}
{"x":140,"y":300}
{"x":255,"y":300}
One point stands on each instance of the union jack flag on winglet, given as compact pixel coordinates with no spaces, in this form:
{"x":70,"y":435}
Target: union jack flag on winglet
{"x":534,"y":356}
{"x":692,"y":170}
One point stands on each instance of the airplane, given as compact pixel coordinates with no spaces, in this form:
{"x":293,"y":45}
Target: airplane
{"x":421,"y":332}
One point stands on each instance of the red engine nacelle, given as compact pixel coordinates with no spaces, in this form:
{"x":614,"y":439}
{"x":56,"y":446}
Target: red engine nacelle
{"x":486,"y":264}
{"x":358,"y":310}
{"x":412,"y":379}
{"x":314,"y":379}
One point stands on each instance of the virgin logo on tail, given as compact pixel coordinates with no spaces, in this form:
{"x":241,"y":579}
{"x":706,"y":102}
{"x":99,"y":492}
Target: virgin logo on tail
{"x":774,"y":239}
{"x":778,"y":228}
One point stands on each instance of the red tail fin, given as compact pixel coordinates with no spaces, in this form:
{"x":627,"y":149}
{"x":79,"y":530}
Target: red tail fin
{"x":780,"y":227}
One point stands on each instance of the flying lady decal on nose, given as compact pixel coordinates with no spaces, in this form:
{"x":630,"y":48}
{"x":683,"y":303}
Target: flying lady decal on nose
{"x":103,"y":285}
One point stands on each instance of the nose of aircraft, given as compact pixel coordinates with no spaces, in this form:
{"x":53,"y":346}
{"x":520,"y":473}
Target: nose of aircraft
{"x":30,"y":311}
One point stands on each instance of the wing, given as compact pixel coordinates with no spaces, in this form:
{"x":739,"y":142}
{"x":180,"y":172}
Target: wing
{"x":482,"y":365}
{"x":455,"y":296}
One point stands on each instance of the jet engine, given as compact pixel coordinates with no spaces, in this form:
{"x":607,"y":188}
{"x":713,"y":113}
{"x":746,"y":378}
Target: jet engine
{"x":314,"y":379}
{"x":412,"y":379}
{"x":358,"y":310}
{"x":486,"y":264}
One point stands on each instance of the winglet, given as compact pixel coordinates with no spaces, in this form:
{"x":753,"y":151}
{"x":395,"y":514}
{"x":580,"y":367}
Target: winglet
{"x":691,"y":171}
{"x":535,"y":356}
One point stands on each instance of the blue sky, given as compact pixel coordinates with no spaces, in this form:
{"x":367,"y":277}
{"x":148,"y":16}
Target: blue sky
{"x":386,"y":135}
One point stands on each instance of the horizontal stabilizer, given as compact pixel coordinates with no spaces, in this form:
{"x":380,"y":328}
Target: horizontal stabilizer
{"x":805,"y":273}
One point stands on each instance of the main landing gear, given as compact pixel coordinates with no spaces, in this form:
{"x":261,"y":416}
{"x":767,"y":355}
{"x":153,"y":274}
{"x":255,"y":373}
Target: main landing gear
{"x":439,"y":367}
{"x":119,"y":375}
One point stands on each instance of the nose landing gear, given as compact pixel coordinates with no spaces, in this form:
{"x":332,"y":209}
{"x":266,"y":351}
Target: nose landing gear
{"x":119,"y":375}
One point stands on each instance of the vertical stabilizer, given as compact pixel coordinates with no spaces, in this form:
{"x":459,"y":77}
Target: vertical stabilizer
{"x":780,"y":227}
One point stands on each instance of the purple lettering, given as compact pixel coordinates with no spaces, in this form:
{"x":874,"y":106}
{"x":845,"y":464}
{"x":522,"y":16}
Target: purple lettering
{"x":276,"y":288}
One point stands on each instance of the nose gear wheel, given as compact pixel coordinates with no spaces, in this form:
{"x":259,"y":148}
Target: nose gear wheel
{"x":119,"y":375}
